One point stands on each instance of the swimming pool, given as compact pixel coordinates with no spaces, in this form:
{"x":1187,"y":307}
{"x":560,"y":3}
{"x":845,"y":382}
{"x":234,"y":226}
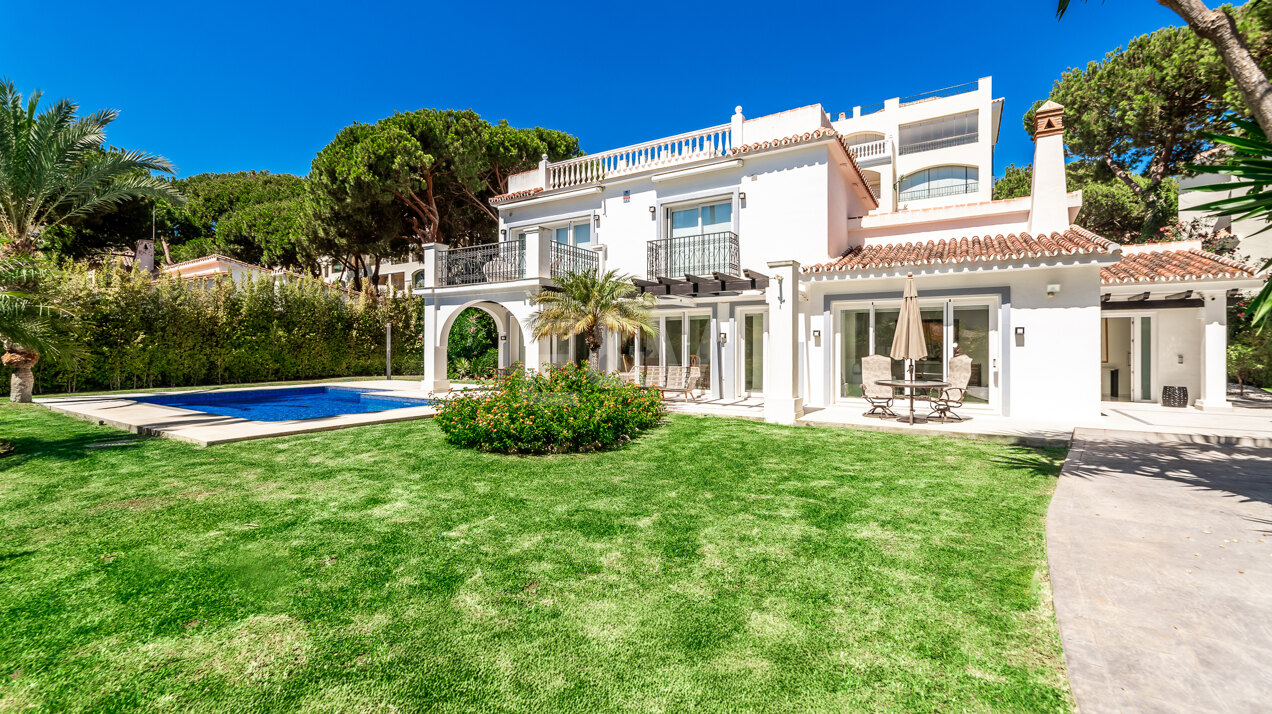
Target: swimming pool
{"x":285,"y":404}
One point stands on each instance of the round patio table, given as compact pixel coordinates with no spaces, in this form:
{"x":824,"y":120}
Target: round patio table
{"x":912,"y":384}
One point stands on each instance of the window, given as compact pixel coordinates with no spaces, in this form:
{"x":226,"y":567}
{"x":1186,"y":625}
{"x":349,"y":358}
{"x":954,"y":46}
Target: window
{"x":939,"y":181}
{"x":417,"y":280}
{"x":954,"y":130}
{"x":576,"y":233}
{"x":701,"y":220}
{"x":863,"y":137}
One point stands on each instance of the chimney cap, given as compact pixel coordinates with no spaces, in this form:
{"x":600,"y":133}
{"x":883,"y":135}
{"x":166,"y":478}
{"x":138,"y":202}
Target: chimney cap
{"x":1048,"y":120}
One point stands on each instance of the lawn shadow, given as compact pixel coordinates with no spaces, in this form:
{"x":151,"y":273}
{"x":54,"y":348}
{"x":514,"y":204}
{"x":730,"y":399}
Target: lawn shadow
{"x":1035,"y":462}
{"x":69,"y":448}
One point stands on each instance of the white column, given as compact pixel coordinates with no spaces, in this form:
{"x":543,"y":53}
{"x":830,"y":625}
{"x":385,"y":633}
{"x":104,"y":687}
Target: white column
{"x":726,"y":366}
{"x":782,"y":402}
{"x":434,"y":349}
{"x":1214,"y":353}
{"x":538,"y":253}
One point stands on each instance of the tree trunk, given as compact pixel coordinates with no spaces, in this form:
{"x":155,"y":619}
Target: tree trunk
{"x":23,"y":380}
{"x":1219,"y":28}
{"x":21,"y":384}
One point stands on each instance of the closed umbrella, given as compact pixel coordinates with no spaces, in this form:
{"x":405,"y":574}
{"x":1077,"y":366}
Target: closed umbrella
{"x":907,"y":341}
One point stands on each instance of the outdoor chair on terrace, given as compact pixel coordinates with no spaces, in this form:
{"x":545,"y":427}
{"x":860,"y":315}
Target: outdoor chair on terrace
{"x":633,"y":375}
{"x":655,"y":377}
{"x":681,"y":379}
{"x":873,"y":369}
{"x":951,"y":397}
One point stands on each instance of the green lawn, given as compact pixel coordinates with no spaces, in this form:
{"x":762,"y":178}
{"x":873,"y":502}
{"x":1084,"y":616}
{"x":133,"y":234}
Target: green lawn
{"x":713,"y":565}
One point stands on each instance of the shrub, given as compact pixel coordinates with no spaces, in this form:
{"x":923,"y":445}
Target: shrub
{"x":570,"y":409}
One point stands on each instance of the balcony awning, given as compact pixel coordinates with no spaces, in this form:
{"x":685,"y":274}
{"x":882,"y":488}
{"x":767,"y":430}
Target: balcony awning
{"x":692,"y":285}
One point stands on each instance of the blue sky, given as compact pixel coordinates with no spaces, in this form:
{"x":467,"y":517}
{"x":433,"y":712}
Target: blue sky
{"x":230,"y":86}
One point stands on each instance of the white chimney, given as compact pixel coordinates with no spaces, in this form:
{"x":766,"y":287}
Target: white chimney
{"x":1048,"y":207}
{"x":145,"y":255}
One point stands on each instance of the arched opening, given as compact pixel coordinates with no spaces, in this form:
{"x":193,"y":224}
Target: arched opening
{"x":937,"y":182}
{"x":863,"y":137}
{"x":472,"y":347}
{"x":874,"y":180}
{"x":417,"y":280}
{"x":479,"y":339}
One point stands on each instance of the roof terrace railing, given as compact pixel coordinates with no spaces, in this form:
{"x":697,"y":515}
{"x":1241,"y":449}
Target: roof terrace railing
{"x":682,"y":148}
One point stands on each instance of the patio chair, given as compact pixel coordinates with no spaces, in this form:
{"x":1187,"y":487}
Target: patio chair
{"x":874,"y":368}
{"x":951,"y":397}
{"x":682,"y":380}
{"x":655,"y":377}
{"x":635,"y":375}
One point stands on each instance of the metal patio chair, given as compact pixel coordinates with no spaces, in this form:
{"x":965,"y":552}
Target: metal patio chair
{"x":874,"y":368}
{"x":950,"y":398}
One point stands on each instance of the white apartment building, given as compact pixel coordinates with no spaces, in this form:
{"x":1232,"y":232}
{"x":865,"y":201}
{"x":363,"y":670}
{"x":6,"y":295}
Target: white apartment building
{"x":779,"y":263}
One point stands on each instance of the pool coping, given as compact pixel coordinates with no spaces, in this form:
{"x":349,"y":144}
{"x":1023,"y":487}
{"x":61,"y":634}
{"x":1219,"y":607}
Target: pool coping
{"x":205,"y":429}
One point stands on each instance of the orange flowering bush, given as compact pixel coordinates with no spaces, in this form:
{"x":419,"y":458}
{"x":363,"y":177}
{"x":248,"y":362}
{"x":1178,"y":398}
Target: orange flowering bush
{"x":569,"y":409}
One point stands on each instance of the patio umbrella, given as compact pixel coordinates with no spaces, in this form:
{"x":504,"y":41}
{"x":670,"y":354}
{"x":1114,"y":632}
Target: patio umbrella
{"x":907,"y":341}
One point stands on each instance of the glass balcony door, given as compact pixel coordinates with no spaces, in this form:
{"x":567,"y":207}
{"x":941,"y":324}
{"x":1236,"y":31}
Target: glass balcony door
{"x":753,"y":327}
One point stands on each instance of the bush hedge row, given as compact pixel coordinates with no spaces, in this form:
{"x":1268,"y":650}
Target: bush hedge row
{"x":131,"y":331}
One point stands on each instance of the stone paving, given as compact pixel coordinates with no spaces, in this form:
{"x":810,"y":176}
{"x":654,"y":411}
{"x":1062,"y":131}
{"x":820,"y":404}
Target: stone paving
{"x":1160,"y":555}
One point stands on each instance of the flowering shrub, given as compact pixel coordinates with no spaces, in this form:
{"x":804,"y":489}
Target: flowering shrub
{"x":567,"y":410}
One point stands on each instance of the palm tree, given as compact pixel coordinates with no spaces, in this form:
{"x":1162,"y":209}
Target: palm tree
{"x":589,"y":304}
{"x":53,"y":167}
{"x":26,"y":329}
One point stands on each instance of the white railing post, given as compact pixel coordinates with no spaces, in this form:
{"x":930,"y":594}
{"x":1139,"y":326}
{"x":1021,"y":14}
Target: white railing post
{"x":735,"y":128}
{"x":428,"y":257}
{"x":543,"y":173}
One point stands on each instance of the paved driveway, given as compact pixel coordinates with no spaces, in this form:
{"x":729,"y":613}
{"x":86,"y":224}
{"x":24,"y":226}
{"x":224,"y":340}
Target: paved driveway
{"x":1161,"y":563}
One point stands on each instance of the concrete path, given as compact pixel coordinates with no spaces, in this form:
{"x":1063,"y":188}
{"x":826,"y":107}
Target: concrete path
{"x":1160,"y":553}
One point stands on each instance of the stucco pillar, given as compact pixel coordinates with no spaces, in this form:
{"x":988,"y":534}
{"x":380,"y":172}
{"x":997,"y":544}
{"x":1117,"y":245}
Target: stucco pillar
{"x":782,"y":402}
{"x":1214,"y":353}
{"x":434,"y":349}
{"x":725,"y":379}
{"x":428,"y":258}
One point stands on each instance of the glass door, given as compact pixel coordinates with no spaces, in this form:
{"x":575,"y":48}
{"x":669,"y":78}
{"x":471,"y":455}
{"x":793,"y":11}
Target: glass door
{"x":698,"y":347}
{"x":752,"y":363}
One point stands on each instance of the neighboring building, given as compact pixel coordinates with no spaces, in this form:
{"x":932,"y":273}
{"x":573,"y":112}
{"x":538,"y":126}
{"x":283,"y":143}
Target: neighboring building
{"x":212,"y":266}
{"x":1244,"y":235}
{"x":779,"y":263}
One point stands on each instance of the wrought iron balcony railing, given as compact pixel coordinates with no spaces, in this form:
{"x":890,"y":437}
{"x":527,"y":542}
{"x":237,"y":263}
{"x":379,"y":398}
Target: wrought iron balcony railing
{"x":487,"y":263}
{"x":568,"y":259}
{"x":695,"y":255}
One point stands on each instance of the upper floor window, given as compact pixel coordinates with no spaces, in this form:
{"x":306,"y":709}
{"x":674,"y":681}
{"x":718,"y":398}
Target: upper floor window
{"x":716,"y":217}
{"x":863,"y":137}
{"x":417,"y":280}
{"x":939,"y":181}
{"x":939,"y":133}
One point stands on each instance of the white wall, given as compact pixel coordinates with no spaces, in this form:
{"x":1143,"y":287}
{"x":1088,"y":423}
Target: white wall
{"x":1177,"y":332}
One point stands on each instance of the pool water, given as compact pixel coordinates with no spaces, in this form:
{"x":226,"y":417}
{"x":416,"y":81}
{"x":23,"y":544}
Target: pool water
{"x":285,"y":404}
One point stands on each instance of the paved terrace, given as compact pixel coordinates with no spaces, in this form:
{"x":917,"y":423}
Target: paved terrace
{"x":1249,"y":423}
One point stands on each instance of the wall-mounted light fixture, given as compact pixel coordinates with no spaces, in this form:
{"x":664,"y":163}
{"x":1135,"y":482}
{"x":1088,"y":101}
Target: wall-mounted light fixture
{"x":724,"y":337}
{"x":780,"y":299}
{"x":503,"y":232}
{"x":596,"y":220}
{"x":742,"y":196}
{"x":503,"y":338}
{"x":1020,"y":337}
{"x":652,"y":210}
{"x":816,"y":334}
{"x":1053,"y":289}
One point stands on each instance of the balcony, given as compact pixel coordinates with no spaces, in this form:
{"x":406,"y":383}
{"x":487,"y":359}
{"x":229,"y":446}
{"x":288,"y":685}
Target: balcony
{"x":942,"y":143}
{"x":683,"y":148}
{"x":918,"y":194}
{"x":705,"y":254}
{"x":568,"y":259}
{"x":488,"y":263}
{"x":872,"y":153}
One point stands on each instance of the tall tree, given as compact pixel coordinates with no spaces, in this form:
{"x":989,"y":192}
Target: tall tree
{"x":428,"y":174}
{"x":590,"y":305}
{"x":1221,"y":28}
{"x":52,"y":168}
{"x":1144,"y":111}
{"x":253,"y":216}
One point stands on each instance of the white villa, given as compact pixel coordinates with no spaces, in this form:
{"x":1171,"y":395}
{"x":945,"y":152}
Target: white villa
{"x":778,"y":247}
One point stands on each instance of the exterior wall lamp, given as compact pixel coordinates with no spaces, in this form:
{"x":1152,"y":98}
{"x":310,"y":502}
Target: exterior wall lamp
{"x":503,"y":232}
{"x":724,"y":337}
{"x":742,"y":197}
{"x":596,"y":220}
{"x":652,"y":210}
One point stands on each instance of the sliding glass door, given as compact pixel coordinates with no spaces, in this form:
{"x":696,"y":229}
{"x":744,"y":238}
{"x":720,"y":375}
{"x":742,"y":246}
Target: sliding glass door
{"x":751,"y":365}
{"x":950,"y":328}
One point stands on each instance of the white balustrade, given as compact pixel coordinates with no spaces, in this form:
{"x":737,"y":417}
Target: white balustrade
{"x":870,"y":149}
{"x":694,"y":146}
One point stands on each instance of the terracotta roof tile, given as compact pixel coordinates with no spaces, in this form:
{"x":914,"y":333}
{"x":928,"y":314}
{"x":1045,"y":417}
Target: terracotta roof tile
{"x":1165,"y":266}
{"x":1075,"y":240}
{"x":814,"y":135}
{"x":504,"y":197}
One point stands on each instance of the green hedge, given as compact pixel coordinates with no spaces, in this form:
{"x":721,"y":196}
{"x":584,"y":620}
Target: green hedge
{"x":130,"y":331}
{"x":570,"y":409}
